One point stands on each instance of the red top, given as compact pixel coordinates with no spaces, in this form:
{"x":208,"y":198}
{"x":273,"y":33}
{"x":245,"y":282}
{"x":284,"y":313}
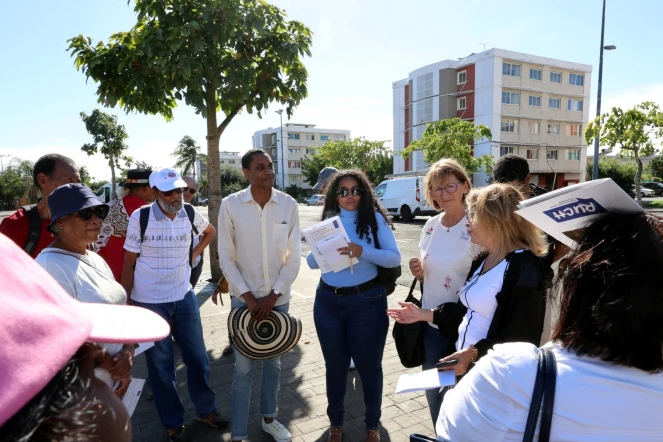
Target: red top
{"x":16,"y":228}
{"x":113,"y":251}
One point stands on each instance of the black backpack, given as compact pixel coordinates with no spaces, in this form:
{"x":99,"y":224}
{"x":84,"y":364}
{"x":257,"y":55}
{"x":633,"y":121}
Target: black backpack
{"x":145,"y":218}
{"x":34,"y":229}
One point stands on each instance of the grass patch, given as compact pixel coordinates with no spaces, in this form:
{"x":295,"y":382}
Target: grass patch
{"x":656,"y":204}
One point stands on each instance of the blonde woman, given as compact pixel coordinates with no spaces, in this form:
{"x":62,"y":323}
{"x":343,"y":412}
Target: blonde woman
{"x":504,"y":297}
{"x":445,"y":257}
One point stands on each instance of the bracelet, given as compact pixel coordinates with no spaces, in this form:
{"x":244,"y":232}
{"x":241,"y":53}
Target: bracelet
{"x":476,"y":353}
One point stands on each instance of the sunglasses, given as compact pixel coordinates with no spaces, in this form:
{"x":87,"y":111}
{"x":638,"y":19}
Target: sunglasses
{"x":191,"y":191}
{"x":344,"y":191}
{"x":99,"y":211}
{"x":450,"y":188}
{"x":170,"y":192}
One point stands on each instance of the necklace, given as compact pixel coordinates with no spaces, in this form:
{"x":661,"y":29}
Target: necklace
{"x":448,"y":229}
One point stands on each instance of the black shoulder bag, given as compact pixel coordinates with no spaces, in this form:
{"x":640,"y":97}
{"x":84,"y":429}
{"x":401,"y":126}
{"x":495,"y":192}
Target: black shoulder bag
{"x":409,"y":338}
{"x":386,"y":275}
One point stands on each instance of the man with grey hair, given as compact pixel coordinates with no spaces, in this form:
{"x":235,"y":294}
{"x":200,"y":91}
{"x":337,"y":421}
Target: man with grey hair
{"x":188,"y":195}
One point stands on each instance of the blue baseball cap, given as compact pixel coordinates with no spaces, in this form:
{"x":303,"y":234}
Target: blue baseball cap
{"x":70,"y":198}
{"x":324,"y":176}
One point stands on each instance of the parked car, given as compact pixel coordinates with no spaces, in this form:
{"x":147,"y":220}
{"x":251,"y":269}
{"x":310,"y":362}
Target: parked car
{"x":644,"y":192}
{"x":402,"y":197}
{"x":653,"y":185}
{"x":316,"y":200}
{"x":302,"y":200}
{"x":202,"y":202}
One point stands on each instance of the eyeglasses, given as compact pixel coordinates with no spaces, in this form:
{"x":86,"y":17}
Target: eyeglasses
{"x":99,"y":211}
{"x":191,"y":191}
{"x":170,"y":192}
{"x":450,"y":188}
{"x":344,"y":191}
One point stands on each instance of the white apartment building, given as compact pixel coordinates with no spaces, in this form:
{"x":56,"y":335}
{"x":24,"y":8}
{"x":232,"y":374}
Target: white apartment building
{"x":287,"y":149}
{"x":535,"y":107}
{"x":225,"y":159}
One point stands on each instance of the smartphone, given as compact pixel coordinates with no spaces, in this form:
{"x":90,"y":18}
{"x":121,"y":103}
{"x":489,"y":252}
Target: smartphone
{"x":448,"y":363}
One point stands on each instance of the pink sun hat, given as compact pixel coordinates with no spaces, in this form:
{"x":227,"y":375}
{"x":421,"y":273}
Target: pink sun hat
{"x":42,"y":327}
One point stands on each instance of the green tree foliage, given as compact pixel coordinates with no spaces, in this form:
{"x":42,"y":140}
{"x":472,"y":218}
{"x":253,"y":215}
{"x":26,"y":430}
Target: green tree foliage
{"x":632,"y":131}
{"x":656,"y":168}
{"x":311,"y":167}
{"x":215,"y":55}
{"x":108,"y":139}
{"x":187,"y":153}
{"x":622,"y":173}
{"x":85,"y":176}
{"x":95,"y":185}
{"x":453,"y":138}
{"x":294,"y":191}
{"x":16,"y":181}
{"x":232,"y":180}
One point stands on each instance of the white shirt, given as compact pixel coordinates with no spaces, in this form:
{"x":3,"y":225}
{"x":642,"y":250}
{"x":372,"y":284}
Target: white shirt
{"x":595,"y":401}
{"x":446,"y":256}
{"x":478,"y":295}
{"x":162,"y":269}
{"x":259,"y":248}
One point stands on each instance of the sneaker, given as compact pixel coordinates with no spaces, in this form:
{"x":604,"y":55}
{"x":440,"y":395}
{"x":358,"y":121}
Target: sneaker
{"x":352,"y":365}
{"x":178,"y":435}
{"x":277,"y":431}
{"x":213,"y":419}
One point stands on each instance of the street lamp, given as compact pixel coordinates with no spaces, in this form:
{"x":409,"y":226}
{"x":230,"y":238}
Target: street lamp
{"x":595,"y":169}
{"x":280,"y":112}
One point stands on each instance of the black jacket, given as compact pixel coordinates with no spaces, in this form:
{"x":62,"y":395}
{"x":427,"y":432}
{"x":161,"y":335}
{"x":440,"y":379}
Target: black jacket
{"x":521,"y":305}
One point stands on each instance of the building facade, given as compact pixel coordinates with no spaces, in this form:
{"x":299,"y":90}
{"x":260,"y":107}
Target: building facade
{"x":535,"y":107}
{"x":288,"y":148}
{"x":225,"y":159}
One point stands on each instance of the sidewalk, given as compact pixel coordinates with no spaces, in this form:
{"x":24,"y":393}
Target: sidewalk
{"x":302,"y":398}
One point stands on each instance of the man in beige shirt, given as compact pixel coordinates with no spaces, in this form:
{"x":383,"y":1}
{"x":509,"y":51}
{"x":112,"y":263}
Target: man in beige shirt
{"x":260,"y":255}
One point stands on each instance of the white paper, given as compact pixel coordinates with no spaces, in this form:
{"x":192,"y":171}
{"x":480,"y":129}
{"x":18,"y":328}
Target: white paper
{"x":329,"y":251}
{"x":130,"y":399}
{"x":142,"y":347}
{"x":319,"y":233}
{"x":563,"y":213}
{"x":425,"y":380}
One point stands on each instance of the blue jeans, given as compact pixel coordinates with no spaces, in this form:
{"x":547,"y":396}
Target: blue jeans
{"x":269,"y":392}
{"x":184,"y":320}
{"x":352,"y":326}
{"x":434,"y":349}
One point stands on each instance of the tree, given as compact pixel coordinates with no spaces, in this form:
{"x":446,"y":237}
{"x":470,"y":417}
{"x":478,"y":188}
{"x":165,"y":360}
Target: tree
{"x":294,"y":191}
{"x":108,"y":139}
{"x":216,"y":55}
{"x":16,"y":180}
{"x":232,"y":180}
{"x":621,"y":173}
{"x":311,"y":167}
{"x":656,"y":168}
{"x":453,"y":138}
{"x":85,"y":176}
{"x":631,"y":131}
{"x":187,"y":153}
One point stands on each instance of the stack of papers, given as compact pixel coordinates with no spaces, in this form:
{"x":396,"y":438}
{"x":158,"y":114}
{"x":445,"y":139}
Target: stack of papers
{"x":425,"y":380}
{"x":324,"y":239}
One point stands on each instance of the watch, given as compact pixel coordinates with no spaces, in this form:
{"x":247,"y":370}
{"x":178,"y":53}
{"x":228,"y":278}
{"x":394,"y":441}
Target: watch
{"x":276,"y":292}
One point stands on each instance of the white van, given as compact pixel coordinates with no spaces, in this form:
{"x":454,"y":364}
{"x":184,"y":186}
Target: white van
{"x":104,"y":193}
{"x":403,"y":197}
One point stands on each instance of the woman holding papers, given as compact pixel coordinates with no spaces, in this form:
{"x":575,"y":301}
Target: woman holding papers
{"x":446,"y":254}
{"x":350,"y":305}
{"x":607,"y":343}
{"x":504,"y":297}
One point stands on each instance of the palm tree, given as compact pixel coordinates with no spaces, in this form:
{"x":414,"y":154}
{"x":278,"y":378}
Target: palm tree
{"x":187,"y":153}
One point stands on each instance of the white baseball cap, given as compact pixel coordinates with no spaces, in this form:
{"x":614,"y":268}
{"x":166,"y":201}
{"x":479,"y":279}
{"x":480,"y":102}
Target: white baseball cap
{"x":166,"y":179}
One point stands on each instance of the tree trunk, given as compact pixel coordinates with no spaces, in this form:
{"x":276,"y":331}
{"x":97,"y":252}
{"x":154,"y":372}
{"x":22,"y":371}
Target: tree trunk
{"x":638,"y":174}
{"x":111,"y":162}
{"x":213,"y":179}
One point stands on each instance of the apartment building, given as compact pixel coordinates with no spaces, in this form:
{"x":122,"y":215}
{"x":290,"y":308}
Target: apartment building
{"x":287,"y":149}
{"x":536,"y":107}
{"x":225,"y":159}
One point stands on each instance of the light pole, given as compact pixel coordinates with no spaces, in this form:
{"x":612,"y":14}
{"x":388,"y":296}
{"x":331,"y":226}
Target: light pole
{"x":280,"y":112}
{"x":2,"y":166}
{"x":595,"y":168}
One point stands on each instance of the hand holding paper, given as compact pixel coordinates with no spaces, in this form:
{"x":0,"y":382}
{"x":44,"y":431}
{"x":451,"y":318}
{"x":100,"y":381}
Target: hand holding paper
{"x":329,"y":251}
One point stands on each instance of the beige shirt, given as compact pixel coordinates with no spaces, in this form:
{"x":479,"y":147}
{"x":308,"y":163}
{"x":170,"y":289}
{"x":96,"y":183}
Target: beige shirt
{"x":259,"y":248}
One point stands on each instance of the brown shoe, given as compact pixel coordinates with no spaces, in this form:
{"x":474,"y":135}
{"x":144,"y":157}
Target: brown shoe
{"x":335,"y":434}
{"x":373,"y":435}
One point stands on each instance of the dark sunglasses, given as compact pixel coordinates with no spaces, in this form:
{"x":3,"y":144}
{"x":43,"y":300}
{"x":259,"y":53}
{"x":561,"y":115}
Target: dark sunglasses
{"x":100,"y":212}
{"x":191,"y":191}
{"x":344,"y":191}
{"x":170,"y":192}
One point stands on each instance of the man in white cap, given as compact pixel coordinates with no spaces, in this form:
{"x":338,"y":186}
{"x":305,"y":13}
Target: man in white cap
{"x":159,"y":245}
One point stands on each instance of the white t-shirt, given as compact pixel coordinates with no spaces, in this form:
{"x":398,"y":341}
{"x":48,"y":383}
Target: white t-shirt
{"x":478,"y":295}
{"x":595,"y":401}
{"x":446,"y":257}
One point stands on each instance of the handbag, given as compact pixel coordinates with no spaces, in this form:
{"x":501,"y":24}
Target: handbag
{"x":544,"y":391}
{"x":386,"y":275}
{"x":409,"y":338}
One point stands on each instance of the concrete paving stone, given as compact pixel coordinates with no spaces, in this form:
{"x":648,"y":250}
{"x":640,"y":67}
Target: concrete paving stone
{"x":313,"y":424}
{"x":419,"y":428}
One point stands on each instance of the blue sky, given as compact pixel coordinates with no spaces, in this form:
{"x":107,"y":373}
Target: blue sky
{"x":359,"y":48}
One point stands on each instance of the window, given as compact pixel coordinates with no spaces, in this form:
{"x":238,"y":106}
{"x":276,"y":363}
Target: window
{"x":462,"y":77}
{"x":535,"y":74}
{"x":574,"y":130}
{"x":551,"y":155}
{"x":324,"y":137}
{"x":222,"y":161}
{"x":294,"y":150}
{"x":553,"y":129}
{"x":310,"y":137}
{"x":462,"y":103}
{"x":273,"y":140}
{"x":554,"y":103}
{"x":424,"y":111}
{"x":293,"y":136}
{"x":294,"y":164}
{"x":532,"y":154}
{"x":424,"y":86}
{"x":512,"y":70}
{"x":505,"y":150}
{"x":339,"y":137}
{"x":509,"y":125}
{"x":534,"y":101}
{"x":534,"y":128}
{"x":231,"y":161}
{"x":555,"y":77}
{"x":379,"y":191}
{"x":295,"y":178}
{"x":510,"y":97}
{"x":310,"y":150}
{"x":573,"y":154}
{"x":577,"y":79}
{"x":419,"y":131}
{"x":575,"y":105}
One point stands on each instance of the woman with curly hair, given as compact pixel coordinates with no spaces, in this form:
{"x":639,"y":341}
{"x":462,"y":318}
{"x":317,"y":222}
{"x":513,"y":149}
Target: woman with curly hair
{"x":350,"y":306}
